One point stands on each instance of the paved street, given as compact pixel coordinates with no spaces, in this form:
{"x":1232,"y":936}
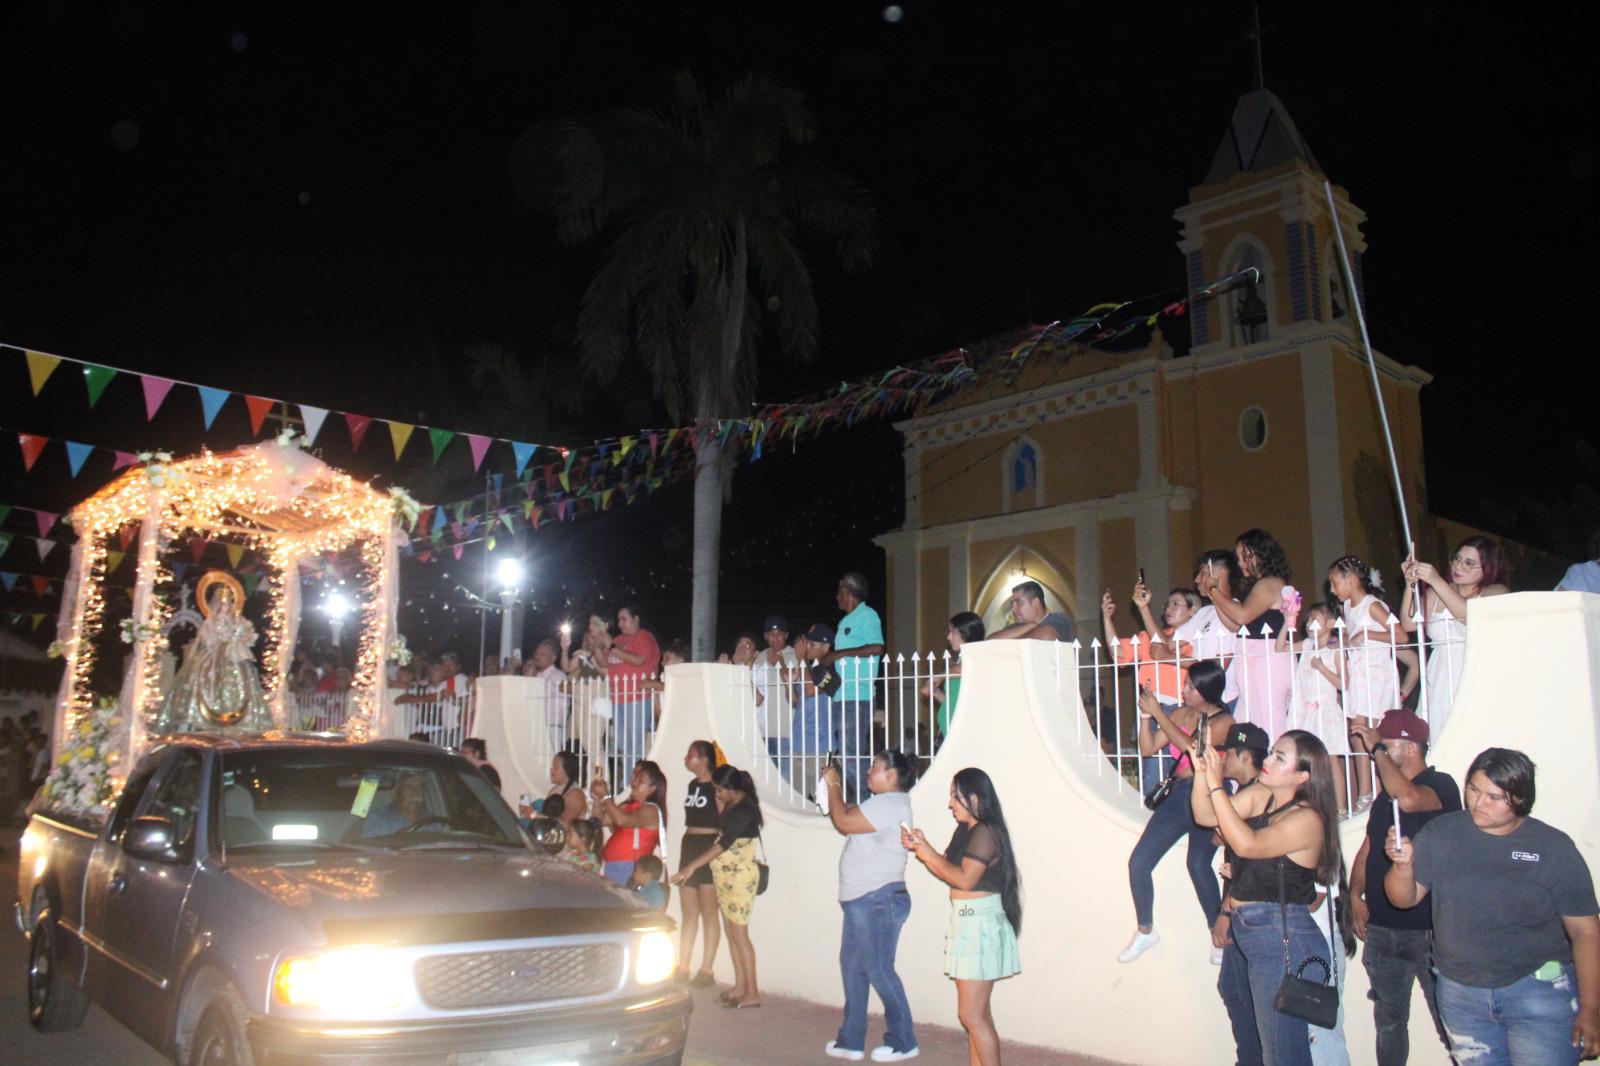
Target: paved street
{"x":784,"y":1031}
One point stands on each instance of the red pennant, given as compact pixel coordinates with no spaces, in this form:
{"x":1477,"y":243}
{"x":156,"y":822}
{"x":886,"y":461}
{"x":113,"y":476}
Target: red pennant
{"x":358,"y":428}
{"x":258,"y":407}
{"x":124,"y":459}
{"x":424,"y":520}
{"x":31,"y":447}
{"x":197,"y":547}
{"x":127,"y":534}
{"x":41,"y":585}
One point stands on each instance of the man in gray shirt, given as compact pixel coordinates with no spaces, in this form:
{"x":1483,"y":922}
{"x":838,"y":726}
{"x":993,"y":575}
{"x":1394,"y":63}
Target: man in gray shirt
{"x":1034,"y":620}
{"x":872,"y":893}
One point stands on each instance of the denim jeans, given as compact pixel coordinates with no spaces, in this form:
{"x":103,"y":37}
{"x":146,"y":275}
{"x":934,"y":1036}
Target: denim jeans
{"x":1394,"y":958}
{"x":854,"y":734}
{"x":1168,"y":824}
{"x":866,"y":959}
{"x":1328,"y":1047}
{"x":631,"y":725}
{"x":1526,"y":1023}
{"x":1233,"y":985}
{"x":1258,"y":932}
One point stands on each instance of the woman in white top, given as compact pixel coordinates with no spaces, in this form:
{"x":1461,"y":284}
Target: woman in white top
{"x":1372,"y":678}
{"x":1476,"y":569}
{"x":1318,"y":678}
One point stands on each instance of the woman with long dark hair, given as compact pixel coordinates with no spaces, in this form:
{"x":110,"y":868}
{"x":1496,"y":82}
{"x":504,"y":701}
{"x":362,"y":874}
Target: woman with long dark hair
{"x":965,"y":628}
{"x":564,"y":783}
{"x":1285,"y":842}
{"x":1171,"y":821}
{"x":1476,"y":569}
{"x":980,"y":867}
{"x":736,"y":876}
{"x":701,"y":824}
{"x":638,"y":825}
{"x":1254,"y":611}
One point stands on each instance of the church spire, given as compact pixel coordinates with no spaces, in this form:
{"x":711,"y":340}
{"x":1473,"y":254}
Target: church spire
{"x":1261,"y":135}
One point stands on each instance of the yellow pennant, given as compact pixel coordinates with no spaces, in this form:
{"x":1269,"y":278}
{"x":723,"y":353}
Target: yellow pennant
{"x":40,"y":367}
{"x":400,"y":432}
{"x":235,"y":553}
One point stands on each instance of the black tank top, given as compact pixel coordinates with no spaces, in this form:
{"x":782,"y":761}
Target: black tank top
{"x":700,"y":806}
{"x":1256,"y":880}
{"x":979,"y":842}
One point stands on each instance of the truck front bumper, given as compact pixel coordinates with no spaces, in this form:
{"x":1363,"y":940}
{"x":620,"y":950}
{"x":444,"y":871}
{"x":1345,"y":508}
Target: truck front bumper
{"x":644,"y":1031}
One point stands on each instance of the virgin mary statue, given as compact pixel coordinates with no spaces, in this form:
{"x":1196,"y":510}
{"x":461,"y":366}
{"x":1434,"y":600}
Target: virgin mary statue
{"x":216,"y":687}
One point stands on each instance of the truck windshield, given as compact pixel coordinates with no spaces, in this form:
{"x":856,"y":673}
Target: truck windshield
{"x":311,"y":797}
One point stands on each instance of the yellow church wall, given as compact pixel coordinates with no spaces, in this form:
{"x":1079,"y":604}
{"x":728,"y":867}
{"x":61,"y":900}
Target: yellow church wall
{"x":1089,"y":455}
{"x":933,"y":581}
{"x":1183,"y":548}
{"x":1057,"y":548}
{"x":1119,"y":567}
{"x":949,"y":493}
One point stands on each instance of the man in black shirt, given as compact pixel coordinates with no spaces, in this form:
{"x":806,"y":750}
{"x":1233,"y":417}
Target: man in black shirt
{"x":1398,"y":942}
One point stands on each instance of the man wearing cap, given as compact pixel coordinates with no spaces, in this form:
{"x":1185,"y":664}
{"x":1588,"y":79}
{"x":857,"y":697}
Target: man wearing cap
{"x":813,"y":716}
{"x":1242,"y":755}
{"x":1398,"y":942}
{"x":771,"y":674}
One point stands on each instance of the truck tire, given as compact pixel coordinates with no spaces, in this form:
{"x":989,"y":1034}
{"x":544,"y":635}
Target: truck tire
{"x":55,"y":1004}
{"x":219,"y":1038}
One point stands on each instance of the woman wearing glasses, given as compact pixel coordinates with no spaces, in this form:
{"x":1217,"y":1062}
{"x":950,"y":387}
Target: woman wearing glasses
{"x":1476,"y":569}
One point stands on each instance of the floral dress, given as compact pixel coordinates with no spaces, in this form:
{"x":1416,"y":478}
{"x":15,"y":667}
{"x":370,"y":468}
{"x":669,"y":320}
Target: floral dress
{"x":734,"y":872}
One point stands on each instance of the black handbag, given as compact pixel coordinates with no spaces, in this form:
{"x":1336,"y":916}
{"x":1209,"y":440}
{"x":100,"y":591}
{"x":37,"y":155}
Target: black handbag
{"x":1316,"y":1002}
{"x":762,"y":872}
{"x":1159,"y":794}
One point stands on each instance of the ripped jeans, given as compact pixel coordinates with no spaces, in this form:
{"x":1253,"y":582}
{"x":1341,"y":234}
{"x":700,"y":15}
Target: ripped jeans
{"x":1526,"y":1023}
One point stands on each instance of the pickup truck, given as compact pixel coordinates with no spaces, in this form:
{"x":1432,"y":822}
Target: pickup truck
{"x":286,"y":899}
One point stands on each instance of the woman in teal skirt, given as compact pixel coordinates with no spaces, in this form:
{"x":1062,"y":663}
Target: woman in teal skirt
{"x":985,"y":905}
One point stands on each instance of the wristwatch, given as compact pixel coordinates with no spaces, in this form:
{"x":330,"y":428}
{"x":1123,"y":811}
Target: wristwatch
{"x":1376,"y":748}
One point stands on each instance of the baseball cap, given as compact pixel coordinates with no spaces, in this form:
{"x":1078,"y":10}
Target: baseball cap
{"x":775,"y":621}
{"x":1403,"y":725}
{"x":1246,"y":736}
{"x":821,"y":633}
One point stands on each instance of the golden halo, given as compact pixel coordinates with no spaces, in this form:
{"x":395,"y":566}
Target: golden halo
{"x":202,"y":590}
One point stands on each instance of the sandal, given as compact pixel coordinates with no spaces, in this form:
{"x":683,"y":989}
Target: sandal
{"x":703,"y":979}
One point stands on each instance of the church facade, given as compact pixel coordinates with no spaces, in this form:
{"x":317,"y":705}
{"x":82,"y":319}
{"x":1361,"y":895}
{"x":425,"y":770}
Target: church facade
{"x":1080,"y":473}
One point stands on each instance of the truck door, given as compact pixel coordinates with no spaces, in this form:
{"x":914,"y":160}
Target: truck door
{"x":136,"y":923}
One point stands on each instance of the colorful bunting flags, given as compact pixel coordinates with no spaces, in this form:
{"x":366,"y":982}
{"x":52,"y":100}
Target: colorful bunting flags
{"x":358,"y":428}
{"x":113,"y":560}
{"x":440,"y":439}
{"x":523,"y":453}
{"x":211,"y":401}
{"x":31,"y":446}
{"x":45,"y":521}
{"x":155,"y":393}
{"x":44,"y":547}
{"x":5,"y":542}
{"x":40,"y":367}
{"x":77,"y":454}
{"x":313,"y":418}
{"x":95,"y":380}
{"x":399,"y":433}
{"x":235,"y":554}
{"x":124,"y":459}
{"x":480,"y":447}
{"x":258,"y":406}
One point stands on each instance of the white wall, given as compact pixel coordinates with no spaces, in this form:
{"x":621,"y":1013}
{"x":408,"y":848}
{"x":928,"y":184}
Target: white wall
{"x":1532,"y":681}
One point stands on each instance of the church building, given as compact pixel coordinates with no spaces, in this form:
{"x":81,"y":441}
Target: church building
{"x":1084,"y":469}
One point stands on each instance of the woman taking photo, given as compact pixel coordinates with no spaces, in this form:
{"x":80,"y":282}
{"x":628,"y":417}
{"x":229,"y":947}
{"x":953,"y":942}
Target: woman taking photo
{"x":980,"y":867}
{"x":1285,"y":842}
{"x":1170,"y":821}
{"x":637,"y":825}
{"x":1475,"y":570}
{"x":1265,"y":674}
{"x":734,"y":873}
{"x":701,"y":824}
{"x":564,"y":783}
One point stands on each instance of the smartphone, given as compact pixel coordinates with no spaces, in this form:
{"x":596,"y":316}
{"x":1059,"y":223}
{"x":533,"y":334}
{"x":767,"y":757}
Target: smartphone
{"x":1141,"y":575}
{"x":1396,"y":822}
{"x":566,"y":627}
{"x":906,"y":829}
{"x":1200,"y":738}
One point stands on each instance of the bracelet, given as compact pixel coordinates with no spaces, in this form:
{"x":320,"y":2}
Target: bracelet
{"x":1219,"y":788}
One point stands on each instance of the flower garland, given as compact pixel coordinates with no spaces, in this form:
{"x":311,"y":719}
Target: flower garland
{"x":84,"y":781}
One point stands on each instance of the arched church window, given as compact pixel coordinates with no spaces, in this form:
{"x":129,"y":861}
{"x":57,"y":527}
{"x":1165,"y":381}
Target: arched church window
{"x":1024,"y":469}
{"x":1338,"y":306}
{"x":1249,"y":308}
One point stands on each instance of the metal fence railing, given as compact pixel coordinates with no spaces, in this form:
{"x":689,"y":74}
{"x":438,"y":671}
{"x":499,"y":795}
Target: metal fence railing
{"x":444,"y":718}
{"x":608,"y":722}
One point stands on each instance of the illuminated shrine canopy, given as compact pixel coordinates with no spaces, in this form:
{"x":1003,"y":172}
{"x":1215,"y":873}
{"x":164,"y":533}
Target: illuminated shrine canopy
{"x":274,"y":499}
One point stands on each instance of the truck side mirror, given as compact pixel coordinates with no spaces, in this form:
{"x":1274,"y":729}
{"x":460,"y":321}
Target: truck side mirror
{"x":548,"y":834}
{"x":151,"y":838}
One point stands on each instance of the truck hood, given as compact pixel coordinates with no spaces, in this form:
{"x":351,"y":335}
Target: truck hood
{"x":434,"y":896}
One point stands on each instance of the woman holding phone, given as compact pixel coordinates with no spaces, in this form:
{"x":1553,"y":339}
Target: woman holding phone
{"x":1200,"y":714}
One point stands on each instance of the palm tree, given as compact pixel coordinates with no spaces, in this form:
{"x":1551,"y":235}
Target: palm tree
{"x":707,"y":200}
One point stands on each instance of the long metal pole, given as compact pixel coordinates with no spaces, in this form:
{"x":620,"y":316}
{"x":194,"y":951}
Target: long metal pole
{"x":483,"y":611}
{"x":1372,"y":362}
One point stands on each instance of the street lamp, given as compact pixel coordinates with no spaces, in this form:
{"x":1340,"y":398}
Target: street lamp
{"x":508,"y":572}
{"x":335,"y":606}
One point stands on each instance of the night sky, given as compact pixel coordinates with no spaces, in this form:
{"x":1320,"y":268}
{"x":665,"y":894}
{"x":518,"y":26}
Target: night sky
{"x":334,"y":203}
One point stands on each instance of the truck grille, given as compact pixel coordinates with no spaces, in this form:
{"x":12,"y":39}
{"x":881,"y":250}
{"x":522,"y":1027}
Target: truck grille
{"x":500,"y":978}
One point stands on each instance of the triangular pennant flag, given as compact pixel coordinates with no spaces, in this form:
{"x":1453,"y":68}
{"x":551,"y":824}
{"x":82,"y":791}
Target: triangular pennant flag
{"x":40,"y":367}
{"x":5,"y":512}
{"x":197,"y":547}
{"x":31,"y":446}
{"x":438,"y":515}
{"x":523,"y":453}
{"x":127,"y":533}
{"x":480,"y":448}
{"x":45,"y":521}
{"x":250,"y":581}
{"x":457,"y":550}
{"x":41,"y":585}
{"x":424,"y":520}
{"x":653,"y":440}
{"x":38,"y":620}
{"x":77,"y":455}
{"x":258,"y":406}
{"x":616,"y":460}
{"x":235,"y":553}
{"x":114,"y":560}
{"x":505,"y":519}
{"x":211,"y":401}
{"x":399,"y":433}
{"x":5,"y":542}
{"x":627,"y":445}
{"x":95,"y":379}
{"x":535,"y":515}
{"x":155,"y":391}
{"x":124,"y":459}
{"x":178,"y":570}
{"x":8,"y":579}
{"x":499,"y":483}
{"x":44,"y":547}
{"x":358,"y":428}
{"x":312,"y":417}
{"x":439,"y":438}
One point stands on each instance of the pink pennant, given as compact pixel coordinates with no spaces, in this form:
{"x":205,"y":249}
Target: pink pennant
{"x":46,"y":520}
{"x":480,"y":448}
{"x":124,"y":459}
{"x":155,"y":391}
{"x":457,"y":550}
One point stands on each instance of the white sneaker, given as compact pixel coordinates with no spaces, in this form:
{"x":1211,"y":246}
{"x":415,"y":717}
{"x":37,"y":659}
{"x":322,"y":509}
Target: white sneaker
{"x":885,"y":1053}
{"x":1216,"y":956}
{"x":1141,"y":943}
{"x":834,"y":1051}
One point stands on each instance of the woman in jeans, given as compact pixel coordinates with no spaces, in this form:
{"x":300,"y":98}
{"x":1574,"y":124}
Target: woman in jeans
{"x":872,"y":892}
{"x":1171,"y":822}
{"x":1285,"y":842}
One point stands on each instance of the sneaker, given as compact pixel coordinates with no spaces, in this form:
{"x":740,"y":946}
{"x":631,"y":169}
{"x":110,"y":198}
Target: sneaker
{"x":834,"y":1051}
{"x":1141,"y":943}
{"x":1216,"y":956}
{"x":885,"y":1053}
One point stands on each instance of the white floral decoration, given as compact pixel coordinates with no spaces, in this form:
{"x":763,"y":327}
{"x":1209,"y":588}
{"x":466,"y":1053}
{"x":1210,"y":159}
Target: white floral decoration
{"x":409,"y":507}
{"x":136,"y":633}
{"x":84,"y":778}
{"x":399,"y":653}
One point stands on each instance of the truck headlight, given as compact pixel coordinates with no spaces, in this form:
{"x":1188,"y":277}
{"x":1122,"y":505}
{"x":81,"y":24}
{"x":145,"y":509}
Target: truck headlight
{"x":657,"y":958}
{"x":349,"y":982}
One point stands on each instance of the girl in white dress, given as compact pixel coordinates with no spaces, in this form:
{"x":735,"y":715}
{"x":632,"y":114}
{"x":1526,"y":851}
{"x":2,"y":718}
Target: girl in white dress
{"x":1372,"y":680}
{"x":1476,"y":569}
{"x":1318,"y":678}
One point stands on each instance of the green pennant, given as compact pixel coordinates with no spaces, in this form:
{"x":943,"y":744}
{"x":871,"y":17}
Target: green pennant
{"x":527,"y":509}
{"x":461,"y":511}
{"x":505,"y":519}
{"x":440,"y":439}
{"x":5,"y":512}
{"x":95,"y":379}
